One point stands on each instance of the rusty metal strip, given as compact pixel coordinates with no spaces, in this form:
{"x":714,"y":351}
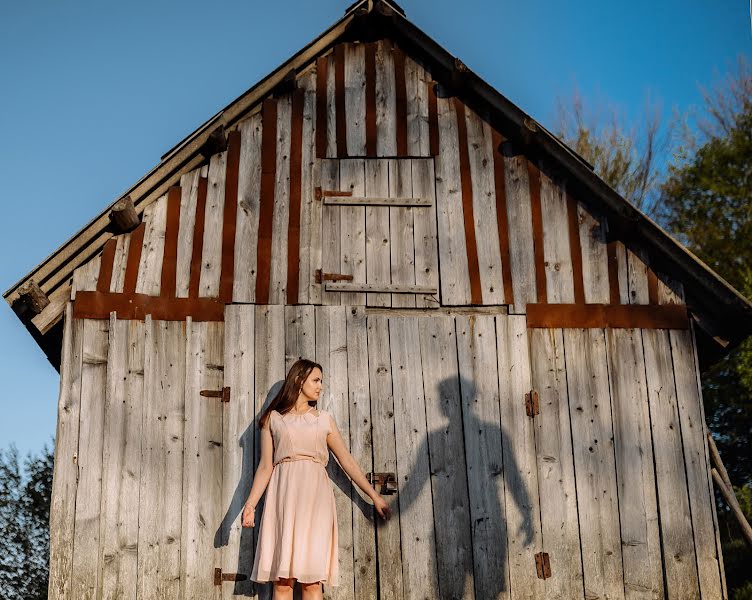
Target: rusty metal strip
{"x":198,"y":237}
{"x":134,"y":258}
{"x":575,"y":250}
{"x":502,"y":218}
{"x":99,"y":305}
{"x":266,"y":208}
{"x":641,"y":316}
{"x":613,"y":272}
{"x":325,"y":193}
{"x":370,"y":74}
{"x":433,"y":120}
{"x":322,"y":68}
{"x":105,"y":266}
{"x":293,"y":226}
{"x":170,"y":257}
{"x":652,"y":287}
{"x":473,"y":266}
{"x":227,"y":274}
{"x":400,"y":89}
{"x":339,"y":100}
{"x":536,"y":215}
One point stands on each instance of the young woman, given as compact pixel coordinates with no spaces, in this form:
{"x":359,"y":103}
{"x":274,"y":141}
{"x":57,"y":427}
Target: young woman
{"x":298,"y":537}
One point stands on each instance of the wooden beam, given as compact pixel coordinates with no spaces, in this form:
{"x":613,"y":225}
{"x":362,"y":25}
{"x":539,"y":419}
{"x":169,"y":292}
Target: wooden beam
{"x":123,"y":216}
{"x":32,"y":300}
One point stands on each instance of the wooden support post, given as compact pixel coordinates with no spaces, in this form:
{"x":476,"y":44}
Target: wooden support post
{"x":723,"y":483}
{"x":124,"y":216}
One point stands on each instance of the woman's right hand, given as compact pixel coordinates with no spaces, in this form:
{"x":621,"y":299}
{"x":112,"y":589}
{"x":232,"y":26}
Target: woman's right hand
{"x":249,"y":516}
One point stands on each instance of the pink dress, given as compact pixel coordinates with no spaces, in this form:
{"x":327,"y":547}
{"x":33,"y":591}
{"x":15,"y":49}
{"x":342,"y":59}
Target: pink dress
{"x":298,"y":536}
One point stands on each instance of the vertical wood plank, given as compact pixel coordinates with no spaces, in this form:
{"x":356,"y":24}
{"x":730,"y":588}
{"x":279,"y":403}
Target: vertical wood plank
{"x":188,"y":201}
{"x":331,"y":108}
{"x":150,"y":267}
{"x":417,"y":108}
{"x":353,"y":229}
{"x":594,"y":256}
{"x":85,"y":277}
{"x":266,"y":200}
{"x":300,"y":334}
{"x":86,"y":535}
{"x":249,"y":189}
{"x":451,"y":504}
{"x":278,"y":283}
{"x":378,"y":238}
{"x":426,"y":250}
{"x":420,"y":578}
{"x":401,"y":227}
{"x":310,"y":215}
{"x":330,"y":229}
{"x":211,"y":256}
{"x":520,"y":232}
{"x":592,"y":437}
{"x":556,"y":248}
{"x":386,"y":129}
{"x":355,"y":99}
{"x":637,"y":271}
{"x":120,"y":262}
{"x":479,"y":389}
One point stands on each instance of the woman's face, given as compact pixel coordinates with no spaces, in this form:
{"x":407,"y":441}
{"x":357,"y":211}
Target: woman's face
{"x":312,"y":385}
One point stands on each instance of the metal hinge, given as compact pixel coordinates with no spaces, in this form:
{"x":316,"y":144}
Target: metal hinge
{"x":386,"y":481}
{"x":532,"y":406}
{"x":223,"y":394}
{"x":542,"y":565}
{"x":219,"y":576}
{"x":320,"y":193}
{"x":321,"y":276}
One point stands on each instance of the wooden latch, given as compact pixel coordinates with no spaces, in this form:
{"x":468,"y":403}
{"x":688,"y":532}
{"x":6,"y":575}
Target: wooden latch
{"x":223,"y":394}
{"x":386,"y":481}
{"x":219,"y":576}
{"x":321,"y":276}
{"x":542,"y":565}
{"x":532,"y":406}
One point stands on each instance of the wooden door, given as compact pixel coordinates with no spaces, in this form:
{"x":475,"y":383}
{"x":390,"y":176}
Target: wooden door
{"x":379,"y":231}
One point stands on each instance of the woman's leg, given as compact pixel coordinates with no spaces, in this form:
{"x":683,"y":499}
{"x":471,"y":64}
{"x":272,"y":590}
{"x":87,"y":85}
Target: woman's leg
{"x":312,"y":591}
{"x":283,"y":589}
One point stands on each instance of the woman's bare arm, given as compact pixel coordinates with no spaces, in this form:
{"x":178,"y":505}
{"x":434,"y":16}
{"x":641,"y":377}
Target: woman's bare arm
{"x":264,"y":471}
{"x":348,"y":463}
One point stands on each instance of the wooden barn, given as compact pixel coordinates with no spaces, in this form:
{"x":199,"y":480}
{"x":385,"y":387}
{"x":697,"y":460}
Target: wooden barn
{"x":511,"y":349}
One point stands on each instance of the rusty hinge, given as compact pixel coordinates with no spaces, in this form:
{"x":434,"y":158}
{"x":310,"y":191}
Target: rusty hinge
{"x":386,"y":481}
{"x":223,"y":394}
{"x":321,"y":276}
{"x":319,"y":193}
{"x":219,"y":576}
{"x":532,"y":406}
{"x":542,"y":565}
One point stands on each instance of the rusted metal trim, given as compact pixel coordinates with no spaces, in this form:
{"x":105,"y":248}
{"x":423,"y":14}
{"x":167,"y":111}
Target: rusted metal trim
{"x":433,"y":119}
{"x":619,"y":316}
{"x":575,"y":250}
{"x":502,"y":218}
{"x":134,"y":258}
{"x":613,"y":272}
{"x":223,"y":394}
{"x":370,"y":73}
{"x":325,"y":193}
{"x":99,"y":305}
{"x":321,"y":276}
{"x":542,"y":565}
{"x":339,"y":100}
{"x":400,"y":100}
{"x":266,"y":203}
{"x":322,"y":68}
{"x":229,"y":220}
{"x":532,"y":403}
{"x":293,"y":226}
{"x":105,"y":266}
{"x":473,"y":266}
{"x":198,"y":237}
{"x":170,"y":256}
{"x":536,"y":216}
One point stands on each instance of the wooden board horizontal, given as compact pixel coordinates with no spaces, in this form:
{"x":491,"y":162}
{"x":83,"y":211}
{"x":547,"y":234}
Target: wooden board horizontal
{"x":642,"y":316}
{"x":99,"y":305}
{"x":379,"y":288}
{"x":360,"y":201}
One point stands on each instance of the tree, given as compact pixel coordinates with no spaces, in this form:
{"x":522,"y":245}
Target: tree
{"x":25,"y":495}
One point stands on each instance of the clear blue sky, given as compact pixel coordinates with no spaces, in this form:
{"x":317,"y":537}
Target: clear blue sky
{"x":93,"y":93}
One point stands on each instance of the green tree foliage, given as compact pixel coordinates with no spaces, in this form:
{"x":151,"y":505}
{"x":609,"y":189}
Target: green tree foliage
{"x":25,"y":493}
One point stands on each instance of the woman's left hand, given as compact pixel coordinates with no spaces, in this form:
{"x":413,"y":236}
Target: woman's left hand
{"x":382,"y":507}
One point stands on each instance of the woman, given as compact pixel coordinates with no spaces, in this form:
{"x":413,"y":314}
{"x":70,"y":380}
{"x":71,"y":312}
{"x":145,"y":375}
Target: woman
{"x":298,"y":537}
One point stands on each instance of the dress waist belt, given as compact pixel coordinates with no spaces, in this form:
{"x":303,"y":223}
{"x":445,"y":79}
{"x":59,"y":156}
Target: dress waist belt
{"x":292,"y":458}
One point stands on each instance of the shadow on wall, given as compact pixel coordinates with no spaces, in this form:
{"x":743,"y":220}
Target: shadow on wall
{"x":483,"y":553}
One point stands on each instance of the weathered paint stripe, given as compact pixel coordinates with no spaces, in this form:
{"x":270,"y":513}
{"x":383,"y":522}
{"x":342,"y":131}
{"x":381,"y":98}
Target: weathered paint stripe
{"x":170,"y":257}
{"x":473,"y":267}
{"x":575,"y":250}
{"x":370,"y":74}
{"x":652,"y":287}
{"x":613,"y":272}
{"x":227,"y":274}
{"x":400,"y":90}
{"x":322,"y":67}
{"x":105,"y":266}
{"x":134,"y":258}
{"x":99,"y":305}
{"x":628,"y":316}
{"x":293,"y":226}
{"x":502,"y":217}
{"x":536,"y":215}
{"x":198,"y":237}
{"x":266,"y":202}
{"x":339,"y":100}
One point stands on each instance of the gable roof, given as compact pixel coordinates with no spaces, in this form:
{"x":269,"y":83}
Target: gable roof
{"x":723,"y":314}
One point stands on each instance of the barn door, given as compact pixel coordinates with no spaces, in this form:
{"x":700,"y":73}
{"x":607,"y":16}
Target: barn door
{"x":379,"y":232}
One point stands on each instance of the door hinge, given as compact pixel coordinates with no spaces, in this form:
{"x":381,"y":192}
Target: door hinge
{"x":321,"y":276}
{"x":386,"y":481}
{"x":542,"y":565}
{"x":223,"y":394}
{"x":219,"y":576}
{"x":532,"y":406}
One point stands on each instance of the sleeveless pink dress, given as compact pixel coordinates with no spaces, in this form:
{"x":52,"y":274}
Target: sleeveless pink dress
{"x":298,"y":535}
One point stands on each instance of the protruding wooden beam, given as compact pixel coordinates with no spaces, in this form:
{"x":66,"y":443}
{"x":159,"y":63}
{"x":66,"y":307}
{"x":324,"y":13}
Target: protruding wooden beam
{"x":123,"y":216}
{"x":216,"y":143}
{"x":32,"y":300}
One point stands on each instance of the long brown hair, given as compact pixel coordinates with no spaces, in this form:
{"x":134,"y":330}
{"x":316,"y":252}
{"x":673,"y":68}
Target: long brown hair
{"x":286,"y":397}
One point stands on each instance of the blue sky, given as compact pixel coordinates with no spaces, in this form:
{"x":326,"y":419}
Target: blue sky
{"x":93,"y":93}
